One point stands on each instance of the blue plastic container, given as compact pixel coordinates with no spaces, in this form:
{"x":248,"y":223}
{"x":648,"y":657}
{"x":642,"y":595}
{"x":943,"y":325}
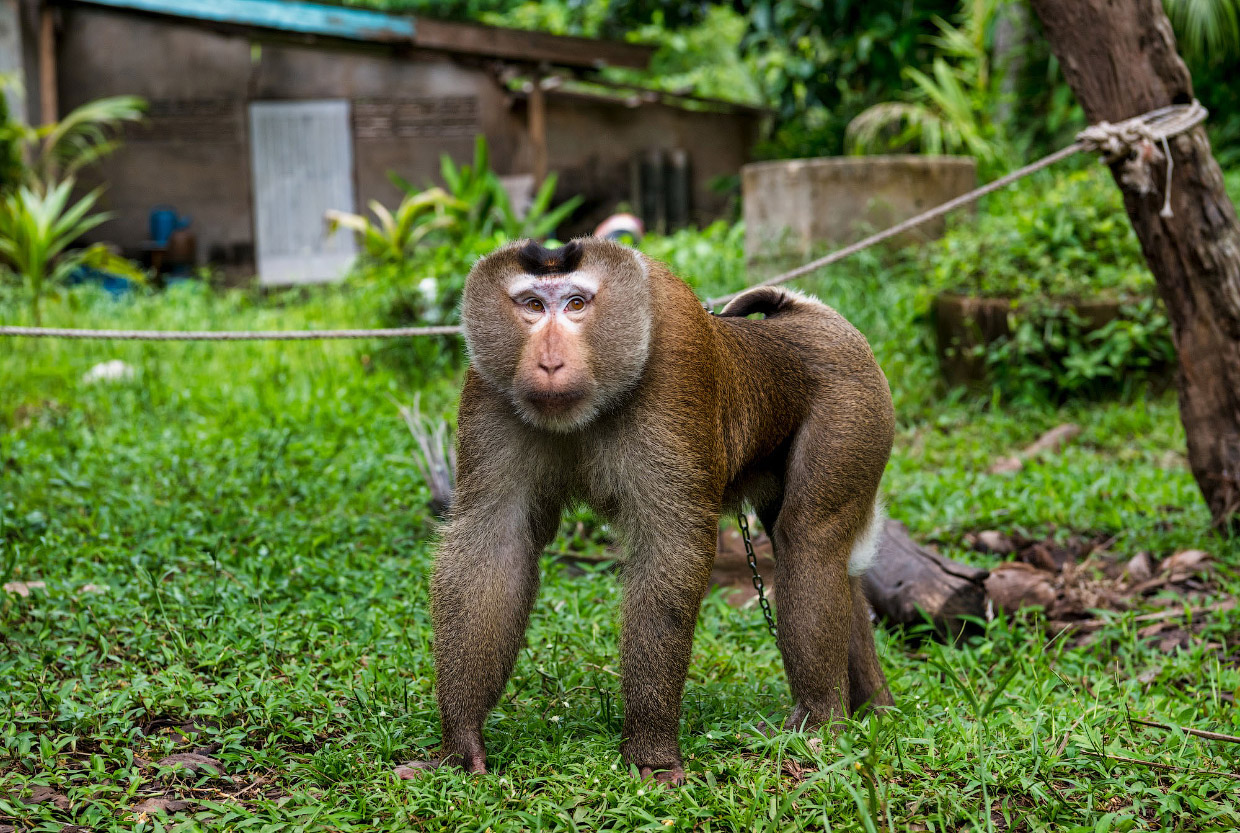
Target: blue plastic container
{"x":164,"y":221}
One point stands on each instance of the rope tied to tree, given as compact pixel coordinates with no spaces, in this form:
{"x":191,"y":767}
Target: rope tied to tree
{"x":1134,"y":140}
{"x":1134,"y":144}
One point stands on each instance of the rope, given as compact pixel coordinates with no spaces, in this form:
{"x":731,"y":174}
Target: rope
{"x":225,"y":335}
{"x":1133,"y":143}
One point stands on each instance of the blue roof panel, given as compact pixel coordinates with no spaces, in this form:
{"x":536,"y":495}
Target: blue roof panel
{"x":282,"y":15}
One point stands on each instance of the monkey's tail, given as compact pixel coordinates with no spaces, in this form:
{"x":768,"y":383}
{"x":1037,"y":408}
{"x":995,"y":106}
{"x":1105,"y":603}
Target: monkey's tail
{"x":768,"y":300}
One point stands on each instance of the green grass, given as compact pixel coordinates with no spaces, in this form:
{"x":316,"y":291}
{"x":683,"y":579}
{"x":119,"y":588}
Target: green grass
{"x":255,"y":518}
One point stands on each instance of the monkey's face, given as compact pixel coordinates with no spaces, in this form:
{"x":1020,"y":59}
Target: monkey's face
{"x":563,"y":332}
{"x":554,"y":386}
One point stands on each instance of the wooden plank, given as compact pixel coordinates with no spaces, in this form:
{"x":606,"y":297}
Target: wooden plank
{"x":537,"y":114}
{"x":49,"y":105}
{"x":529,"y":47}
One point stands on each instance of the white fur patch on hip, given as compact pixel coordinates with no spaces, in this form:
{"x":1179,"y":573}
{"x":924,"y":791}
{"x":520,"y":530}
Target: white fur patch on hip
{"x":865,"y":547}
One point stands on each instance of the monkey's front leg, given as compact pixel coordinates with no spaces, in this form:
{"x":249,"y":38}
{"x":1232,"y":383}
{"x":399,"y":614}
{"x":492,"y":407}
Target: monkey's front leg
{"x":663,"y":586}
{"x":484,"y":584}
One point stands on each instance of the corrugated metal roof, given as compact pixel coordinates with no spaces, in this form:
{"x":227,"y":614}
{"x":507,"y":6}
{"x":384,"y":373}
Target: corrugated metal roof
{"x":283,"y":15}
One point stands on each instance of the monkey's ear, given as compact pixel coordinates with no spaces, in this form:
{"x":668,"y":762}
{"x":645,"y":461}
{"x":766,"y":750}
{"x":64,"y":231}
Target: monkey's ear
{"x":538,"y":260}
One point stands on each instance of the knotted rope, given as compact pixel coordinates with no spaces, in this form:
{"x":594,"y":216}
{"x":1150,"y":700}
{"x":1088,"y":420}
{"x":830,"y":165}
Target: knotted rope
{"x":1134,"y":141}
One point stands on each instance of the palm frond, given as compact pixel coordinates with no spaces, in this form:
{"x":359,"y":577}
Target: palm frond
{"x":1206,"y":28}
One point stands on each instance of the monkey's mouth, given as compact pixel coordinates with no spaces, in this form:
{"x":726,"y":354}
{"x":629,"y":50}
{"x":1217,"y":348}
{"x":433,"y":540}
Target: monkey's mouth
{"x":555,"y":401}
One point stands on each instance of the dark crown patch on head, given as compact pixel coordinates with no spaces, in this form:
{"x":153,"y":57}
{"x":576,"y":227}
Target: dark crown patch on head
{"x":538,"y":260}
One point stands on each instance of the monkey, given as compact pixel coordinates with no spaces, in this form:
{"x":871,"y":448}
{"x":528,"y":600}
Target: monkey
{"x":595,"y":375}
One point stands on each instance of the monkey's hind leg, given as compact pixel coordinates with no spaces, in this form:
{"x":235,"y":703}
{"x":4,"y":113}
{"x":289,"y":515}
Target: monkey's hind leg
{"x":825,"y":635}
{"x":867,"y":684}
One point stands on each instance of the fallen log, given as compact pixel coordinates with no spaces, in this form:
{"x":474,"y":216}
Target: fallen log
{"x":911,"y":585}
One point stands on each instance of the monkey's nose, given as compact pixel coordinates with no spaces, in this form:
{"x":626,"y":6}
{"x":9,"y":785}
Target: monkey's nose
{"x":551,"y":365}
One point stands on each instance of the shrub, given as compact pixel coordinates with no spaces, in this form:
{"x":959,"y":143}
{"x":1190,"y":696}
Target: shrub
{"x":481,"y":205}
{"x":1044,"y":247}
{"x":391,"y":237}
{"x":37,"y":226}
{"x":711,"y":260}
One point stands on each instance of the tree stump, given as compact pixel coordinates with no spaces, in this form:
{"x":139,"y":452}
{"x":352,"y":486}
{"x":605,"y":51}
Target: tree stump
{"x":911,"y":585}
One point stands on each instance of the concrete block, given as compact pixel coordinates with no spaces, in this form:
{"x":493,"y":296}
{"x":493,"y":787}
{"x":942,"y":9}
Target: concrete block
{"x":790,"y":205}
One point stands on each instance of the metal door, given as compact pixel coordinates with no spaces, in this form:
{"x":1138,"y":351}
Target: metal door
{"x":302,"y":163}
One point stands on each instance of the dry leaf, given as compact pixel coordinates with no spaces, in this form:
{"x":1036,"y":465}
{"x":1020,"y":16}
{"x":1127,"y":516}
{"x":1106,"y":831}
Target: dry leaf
{"x":167,"y":805}
{"x":191,"y":761}
{"x":1013,"y":585}
{"x":1140,"y":567}
{"x":47,"y":795}
{"x":992,"y":540}
{"x":1184,"y":564}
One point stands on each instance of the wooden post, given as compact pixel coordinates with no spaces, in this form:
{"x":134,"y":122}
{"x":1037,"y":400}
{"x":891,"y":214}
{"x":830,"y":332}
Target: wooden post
{"x":1121,"y":61}
{"x":48,"y":105}
{"x":538,"y":129}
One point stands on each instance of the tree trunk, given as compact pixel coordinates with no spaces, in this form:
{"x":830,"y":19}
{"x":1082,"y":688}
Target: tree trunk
{"x":1119,"y":57}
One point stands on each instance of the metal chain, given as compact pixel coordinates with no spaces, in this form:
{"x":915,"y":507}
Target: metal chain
{"x":758,"y":584}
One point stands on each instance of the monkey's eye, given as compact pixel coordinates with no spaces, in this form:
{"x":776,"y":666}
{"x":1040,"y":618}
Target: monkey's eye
{"x":534,"y":305}
{"x":576,"y":304}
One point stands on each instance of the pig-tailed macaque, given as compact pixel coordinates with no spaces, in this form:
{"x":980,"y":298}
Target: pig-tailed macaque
{"x":596,"y":376}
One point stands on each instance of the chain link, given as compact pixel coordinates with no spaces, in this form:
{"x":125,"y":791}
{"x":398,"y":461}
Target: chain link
{"x":758,"y":584}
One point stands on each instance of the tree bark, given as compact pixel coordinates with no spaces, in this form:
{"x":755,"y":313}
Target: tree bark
{"x":1120,"y":59}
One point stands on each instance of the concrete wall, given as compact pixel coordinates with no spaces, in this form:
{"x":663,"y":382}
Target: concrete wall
{"x":789,"y":205}
{"x":12,"y":53}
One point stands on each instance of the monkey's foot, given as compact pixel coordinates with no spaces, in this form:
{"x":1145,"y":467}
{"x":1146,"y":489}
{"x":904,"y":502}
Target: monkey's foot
{"x":674,"y":777}
{"x":412,"y":770}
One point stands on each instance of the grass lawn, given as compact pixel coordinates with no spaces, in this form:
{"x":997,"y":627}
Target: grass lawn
{"x":235,"y":546}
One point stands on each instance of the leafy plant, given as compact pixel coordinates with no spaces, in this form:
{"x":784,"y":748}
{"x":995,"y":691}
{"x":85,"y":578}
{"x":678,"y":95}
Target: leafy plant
{"x":950,"y":108}
{"x":483,"y":207}
{"x":821,"y":64}
{"x":12,"y":170}
{"x":1060,"y":236}
{"x":60,"y":150}
{"x":1045,"y":247}
{"x":393,"y":237}
{"x":1206,"y":27}
{"x":1054,"y":353}
{"x":36,"y":229}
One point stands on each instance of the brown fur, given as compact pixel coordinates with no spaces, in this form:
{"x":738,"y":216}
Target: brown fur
{"x":680,"y":416}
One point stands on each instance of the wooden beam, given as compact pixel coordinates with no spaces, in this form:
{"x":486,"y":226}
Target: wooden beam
{"x":49,"y":106}
{"x":1120,"y":59}
{"x":538,"y":128}
{"x":529,"y":47}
